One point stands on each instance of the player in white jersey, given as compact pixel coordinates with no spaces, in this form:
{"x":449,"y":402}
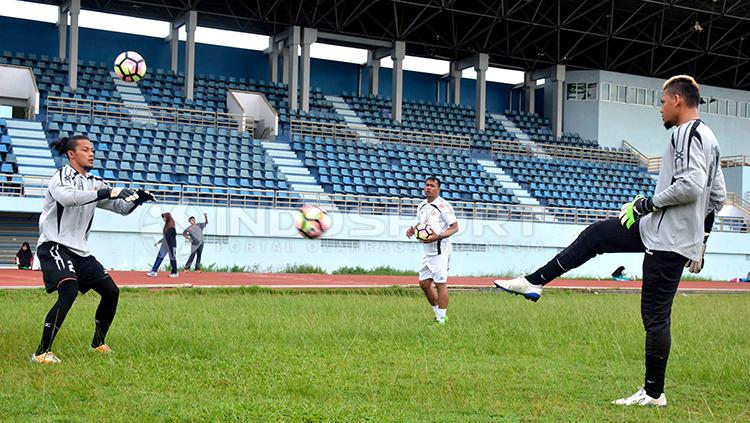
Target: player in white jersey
{"x":67,"y":264}
{"x":438,"y":214}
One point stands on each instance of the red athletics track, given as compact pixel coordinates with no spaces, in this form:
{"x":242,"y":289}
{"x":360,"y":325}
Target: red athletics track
{"x":11,"y":278}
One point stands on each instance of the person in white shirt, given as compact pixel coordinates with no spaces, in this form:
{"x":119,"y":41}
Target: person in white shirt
{"x":438,"y":214}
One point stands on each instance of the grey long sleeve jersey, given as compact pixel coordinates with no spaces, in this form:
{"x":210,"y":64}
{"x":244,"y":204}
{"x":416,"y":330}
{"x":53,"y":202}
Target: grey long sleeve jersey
{"x":690,"y":186}
{"x":69,"y":207}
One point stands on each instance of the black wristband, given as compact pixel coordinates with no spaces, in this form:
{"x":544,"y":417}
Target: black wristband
{"x":708,"y":223}
{"x":103,"y":193}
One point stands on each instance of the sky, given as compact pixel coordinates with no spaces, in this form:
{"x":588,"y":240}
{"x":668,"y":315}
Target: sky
{"x":243,"y":40}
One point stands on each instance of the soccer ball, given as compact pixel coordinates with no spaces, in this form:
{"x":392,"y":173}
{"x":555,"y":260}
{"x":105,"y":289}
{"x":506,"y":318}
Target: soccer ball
{"x":130,"y":66}
{"x":422,"y":231}
{"x":312,"y":221}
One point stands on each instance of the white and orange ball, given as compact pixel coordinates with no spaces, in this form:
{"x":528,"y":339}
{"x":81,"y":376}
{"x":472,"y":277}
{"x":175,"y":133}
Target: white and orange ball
{"x":312,"y":221}
{"x":130,"y":66}
{"x":422,"y":231}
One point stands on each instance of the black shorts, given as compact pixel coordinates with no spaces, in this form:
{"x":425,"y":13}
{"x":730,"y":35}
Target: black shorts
{"x":60,"y":265}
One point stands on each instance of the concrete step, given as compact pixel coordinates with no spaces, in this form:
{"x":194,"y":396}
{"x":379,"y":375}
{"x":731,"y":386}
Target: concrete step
{"x":30,"y":143}
{"x":35,"y":161}
{"x":303,"y":179}
{"x":26,"y":133}
{"x":268,"y":145}
{"x":135,"y":98}
{"x":306,"y":188}
{"x":527,"y":201}
{"x":511,"y":185}
{"x":23,"y":124}
{"x":36,"y":171}
{"x":127,"y":89}
{"x":294,"y":170}
{"x":281,"y":154}
{"x":31,"y":152}
{"x":287,"y":162}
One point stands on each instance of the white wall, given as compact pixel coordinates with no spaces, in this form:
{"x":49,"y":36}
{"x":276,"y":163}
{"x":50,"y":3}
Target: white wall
{"x":267,"y":238}
{"x":641,"y":125}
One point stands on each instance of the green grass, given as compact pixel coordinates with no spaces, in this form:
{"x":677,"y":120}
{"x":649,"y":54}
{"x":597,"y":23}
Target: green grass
{"x":261,"y":355}
{"x":379,"y":270}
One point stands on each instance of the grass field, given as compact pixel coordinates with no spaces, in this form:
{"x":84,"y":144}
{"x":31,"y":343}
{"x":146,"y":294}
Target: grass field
{"x":256,"y":355}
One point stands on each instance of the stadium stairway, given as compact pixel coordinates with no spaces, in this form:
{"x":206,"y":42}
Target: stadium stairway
{"x":511,"y":127}
{"x":507,"y":182}
{"x":133,"y":99}
{"x":350,"y":116}
{"x":297,"y":175}
{"x":30,"y":147}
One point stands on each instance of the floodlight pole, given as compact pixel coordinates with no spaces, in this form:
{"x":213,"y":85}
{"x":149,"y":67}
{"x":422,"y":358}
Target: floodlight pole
{"x":174,"y":52}
{"x":273,"y":60}
{"x":292,"y":65}
{"x":397,"y":80}
{"x":62,"y":31}
{"x":191,"y":22}
{"x":454,"y":89}
{"x":309,"y":36}
{"x":75,"y":9}
{"x":529,"y":87}
{"x":373,"y":68}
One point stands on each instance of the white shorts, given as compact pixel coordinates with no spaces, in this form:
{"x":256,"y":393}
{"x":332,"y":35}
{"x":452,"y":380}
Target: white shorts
{"x":435,"y":268}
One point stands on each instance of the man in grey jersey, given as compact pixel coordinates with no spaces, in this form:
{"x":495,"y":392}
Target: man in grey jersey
{"x":194,"y":234}
{"x":67,"y":264}
{"x":671,"y":227}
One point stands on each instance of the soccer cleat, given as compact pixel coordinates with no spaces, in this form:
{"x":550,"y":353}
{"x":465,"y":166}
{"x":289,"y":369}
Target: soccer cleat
{"x":521,"y":286}
{"x":642,"y":398}
{"x":151,"y":274}
{"x":174,"y":275}
{"x":102,"y":349}
{"x":47,"y":358}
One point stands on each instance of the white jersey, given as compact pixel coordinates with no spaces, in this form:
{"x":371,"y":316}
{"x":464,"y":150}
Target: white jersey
{"x":69,"y":209}
{"x":439,"y":215}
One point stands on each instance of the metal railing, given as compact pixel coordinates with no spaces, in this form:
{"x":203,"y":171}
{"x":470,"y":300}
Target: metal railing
{"x":653,"y":163}
{"x":29,"y":186}
{"x":152,"y":114}
{"x":343,"y":132}
{"x":531,"y":148}
{"x":739,"y":202}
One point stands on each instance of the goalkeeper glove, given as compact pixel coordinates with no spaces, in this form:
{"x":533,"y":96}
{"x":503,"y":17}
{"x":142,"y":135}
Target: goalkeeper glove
{"x":631,"y":212}
{"x":143,"y":196}
{"x":126,"y":194}
{"x":695,"y":266}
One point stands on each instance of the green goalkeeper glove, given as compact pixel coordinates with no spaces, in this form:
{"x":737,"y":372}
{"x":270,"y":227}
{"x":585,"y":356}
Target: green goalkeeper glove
{"x":631,"y":212}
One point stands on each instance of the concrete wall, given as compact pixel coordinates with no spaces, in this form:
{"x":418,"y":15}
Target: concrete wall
{"x":267,"y":239}
{"x":611,"y":122}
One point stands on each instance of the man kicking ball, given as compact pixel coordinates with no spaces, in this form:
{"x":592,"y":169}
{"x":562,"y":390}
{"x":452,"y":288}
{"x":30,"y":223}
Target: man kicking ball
{"x":438,"y":214}
{"x":671,"y":227}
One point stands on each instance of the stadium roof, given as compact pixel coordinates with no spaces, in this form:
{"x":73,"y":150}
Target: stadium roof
{"x":706,"y":38}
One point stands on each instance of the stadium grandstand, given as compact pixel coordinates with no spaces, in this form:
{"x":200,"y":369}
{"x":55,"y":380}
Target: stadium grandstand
{"x":262,"y":132}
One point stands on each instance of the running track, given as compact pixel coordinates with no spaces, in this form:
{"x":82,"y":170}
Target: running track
{"x":11,"y":278}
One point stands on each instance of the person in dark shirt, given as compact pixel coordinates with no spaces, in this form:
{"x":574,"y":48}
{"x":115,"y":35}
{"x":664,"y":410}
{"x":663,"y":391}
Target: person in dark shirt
{"x":168,"y":246}
{"x":24,"y":257}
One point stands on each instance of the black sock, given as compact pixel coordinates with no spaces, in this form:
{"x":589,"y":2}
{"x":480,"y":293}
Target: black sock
{"x":546,"y":273}
{"x":105,"y":313}
{"x":66,"y":295}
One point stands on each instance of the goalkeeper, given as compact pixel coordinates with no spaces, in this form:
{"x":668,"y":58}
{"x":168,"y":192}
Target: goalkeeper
{"x":671,"y":227}
{"x":67,"y":264}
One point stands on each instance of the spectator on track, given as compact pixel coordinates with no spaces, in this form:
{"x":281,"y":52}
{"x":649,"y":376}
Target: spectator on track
{"x":24,"y":257}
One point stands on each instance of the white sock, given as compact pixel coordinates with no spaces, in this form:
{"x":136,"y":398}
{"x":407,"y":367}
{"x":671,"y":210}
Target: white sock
{"x":441,"y":313}
{"x":437,"y":311}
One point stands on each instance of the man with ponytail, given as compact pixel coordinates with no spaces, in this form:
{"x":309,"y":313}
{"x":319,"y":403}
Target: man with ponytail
{"x":67,"y":264}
